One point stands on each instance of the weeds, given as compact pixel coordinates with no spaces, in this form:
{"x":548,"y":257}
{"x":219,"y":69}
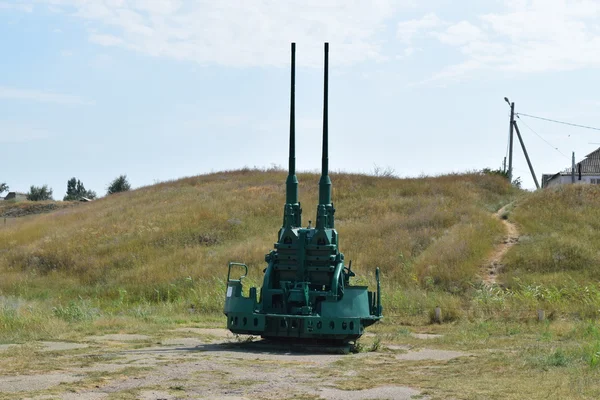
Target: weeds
{"x":360,"y":347}
{"x":75,"y":311}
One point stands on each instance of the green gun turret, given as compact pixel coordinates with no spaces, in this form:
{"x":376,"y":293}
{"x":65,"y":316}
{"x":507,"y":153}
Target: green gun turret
{"x":306,"y":291}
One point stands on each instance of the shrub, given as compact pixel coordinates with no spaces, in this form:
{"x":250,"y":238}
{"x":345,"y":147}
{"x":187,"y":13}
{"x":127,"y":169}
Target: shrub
{"x":37,"y":193}
{"x":119,"y":184}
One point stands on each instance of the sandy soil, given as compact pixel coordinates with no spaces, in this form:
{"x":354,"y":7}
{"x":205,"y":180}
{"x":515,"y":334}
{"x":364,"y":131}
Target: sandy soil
{"x":205,"y":364}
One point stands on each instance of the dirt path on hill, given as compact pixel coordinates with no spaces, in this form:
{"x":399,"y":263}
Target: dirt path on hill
{"x":493,"y":265}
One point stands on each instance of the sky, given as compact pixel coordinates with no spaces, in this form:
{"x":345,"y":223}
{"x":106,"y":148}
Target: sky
{"x":162,"y":89}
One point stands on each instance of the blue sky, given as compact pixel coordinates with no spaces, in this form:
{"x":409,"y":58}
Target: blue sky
{"x":161,"y":89}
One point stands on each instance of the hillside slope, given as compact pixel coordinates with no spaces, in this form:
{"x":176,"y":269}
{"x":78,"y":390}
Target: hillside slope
{"x":559,"y":245}
{"x":12,"y":209}
{"x":174,"y":239}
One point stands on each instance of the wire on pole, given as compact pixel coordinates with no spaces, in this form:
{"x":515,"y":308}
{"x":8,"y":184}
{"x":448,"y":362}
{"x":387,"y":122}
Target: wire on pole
{"x":559,"y":122}
{"x":538,"y":135}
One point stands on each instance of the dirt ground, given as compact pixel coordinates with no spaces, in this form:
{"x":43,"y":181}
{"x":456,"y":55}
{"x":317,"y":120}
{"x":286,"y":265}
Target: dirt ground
{"x":207,"y":364}
{"x":493,"y":265}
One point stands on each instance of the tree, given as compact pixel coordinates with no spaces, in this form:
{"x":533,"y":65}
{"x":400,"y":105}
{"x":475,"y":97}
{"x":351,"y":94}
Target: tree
{"x":37,"y":193}
{"x":503,"y":173}
{"x":119,"y":184}
{"x":3,"y":188}
{"x":76,"y":190}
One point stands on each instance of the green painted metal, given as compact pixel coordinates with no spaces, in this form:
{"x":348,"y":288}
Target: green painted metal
{"x":306,"y":291}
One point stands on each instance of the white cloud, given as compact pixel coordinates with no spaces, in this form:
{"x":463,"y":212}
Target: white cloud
{"x":16,"y":6}
{"x":407,"y":30}
{"x":528,"y":36}
{"x":40,"y":96}
{"x":460,"y":34}
{"x":238,"y":33}
{"x":452,"y":73}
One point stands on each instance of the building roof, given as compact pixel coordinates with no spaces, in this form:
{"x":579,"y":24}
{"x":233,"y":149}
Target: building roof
{"x":15,"y":195}
{"x":589,"y":165}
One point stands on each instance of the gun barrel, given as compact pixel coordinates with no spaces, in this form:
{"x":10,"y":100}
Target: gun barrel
{"x":292,"y":180}
{"x":325,"y":181}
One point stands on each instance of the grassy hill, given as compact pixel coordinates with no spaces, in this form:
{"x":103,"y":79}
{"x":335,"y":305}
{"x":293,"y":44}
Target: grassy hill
{"x":173,"y":240}
{"x":557,"y":261}
{"x":560,"y":242}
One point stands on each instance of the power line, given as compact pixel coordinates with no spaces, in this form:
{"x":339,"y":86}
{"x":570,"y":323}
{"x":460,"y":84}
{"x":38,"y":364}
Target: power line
{"x":559,"y":122}
{"x":538,"y":135}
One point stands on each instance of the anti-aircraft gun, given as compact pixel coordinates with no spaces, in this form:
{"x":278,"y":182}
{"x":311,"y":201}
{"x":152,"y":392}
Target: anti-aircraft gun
{"x":306,"y":291}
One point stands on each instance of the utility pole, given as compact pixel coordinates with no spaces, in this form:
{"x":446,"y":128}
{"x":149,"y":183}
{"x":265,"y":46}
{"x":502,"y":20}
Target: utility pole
{"x":537,"y":185}
{"x":504,"y":165}
{"x":510,"y":140}
{"x":573,"y":168}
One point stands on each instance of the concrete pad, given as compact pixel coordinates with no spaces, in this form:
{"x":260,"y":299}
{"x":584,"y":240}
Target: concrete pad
{"x":380,"y":393}
{"x":397,"y":347}
{"x":30,"y":383}
{"x":431,"y":354}
{"x":118,"y":337}
{"x":154,"y":395}
{"x":217,"y":332}
{"x":62,"y":346}
{"x":426,"y":336}
{"x":70,"y":396}
{"x":187,"y":342}
{"x":7,"y":346}
{"x":229,"y":398}
{"x":83,"y":396}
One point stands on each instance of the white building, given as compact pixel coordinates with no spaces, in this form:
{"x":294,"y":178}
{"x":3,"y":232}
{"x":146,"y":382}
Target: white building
{"x":586,"y":171}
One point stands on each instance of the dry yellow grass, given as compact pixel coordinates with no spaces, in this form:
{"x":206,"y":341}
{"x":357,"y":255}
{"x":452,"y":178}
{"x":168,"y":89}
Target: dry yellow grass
{"x":560,"y":241}
{"x":172,"y":241}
